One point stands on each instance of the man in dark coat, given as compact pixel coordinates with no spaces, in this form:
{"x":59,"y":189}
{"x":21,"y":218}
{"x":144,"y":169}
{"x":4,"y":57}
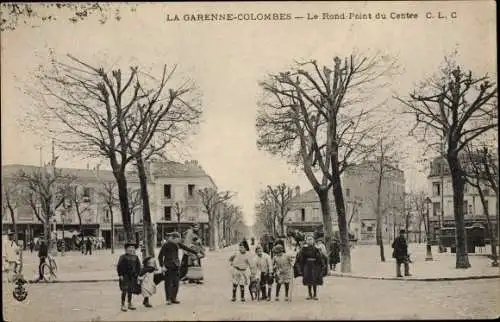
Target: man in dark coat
{"x":168,"y":259}
{"x":43,"y":252}
{"x":400,"y":253}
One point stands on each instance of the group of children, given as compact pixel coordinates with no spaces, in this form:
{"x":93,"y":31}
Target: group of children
{"x":261,"y":271}
{"x":135,"y":278}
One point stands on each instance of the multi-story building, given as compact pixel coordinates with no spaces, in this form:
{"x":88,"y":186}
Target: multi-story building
{"x":174,"y":202}
{"x":360,"y":195}
{"x":441,"y":211}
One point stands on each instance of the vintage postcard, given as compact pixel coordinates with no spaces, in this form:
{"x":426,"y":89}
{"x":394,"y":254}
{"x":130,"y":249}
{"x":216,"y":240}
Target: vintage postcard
{"x":221,"y":161}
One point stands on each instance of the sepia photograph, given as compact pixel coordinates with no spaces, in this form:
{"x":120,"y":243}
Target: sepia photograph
{"x":239,"y":161}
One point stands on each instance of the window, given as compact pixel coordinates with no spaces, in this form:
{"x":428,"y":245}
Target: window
{"x":436,"y":209}
{"x":167,"y":213}
{"x":167,"y":191}
{"x":86,"y":194}
{"x":466,"y":188}
{"x":347,"y":192}
{"x":466,"y":207}
{"x":369,"y":228}
{"x":302,"y":214}
{"x":316,"y":213}
{"x":436,"y":189}
{"x":191,"y":190}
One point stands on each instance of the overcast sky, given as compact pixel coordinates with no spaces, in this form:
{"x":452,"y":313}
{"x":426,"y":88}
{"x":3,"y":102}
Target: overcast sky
{"x":227,"y":59}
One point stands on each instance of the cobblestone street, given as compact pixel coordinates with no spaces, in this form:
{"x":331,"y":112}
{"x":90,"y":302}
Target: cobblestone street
{"x":340,"y":298}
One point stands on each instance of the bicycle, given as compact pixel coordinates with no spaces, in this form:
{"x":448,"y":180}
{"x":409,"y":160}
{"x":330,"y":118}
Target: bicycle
{"x":49,"y":269}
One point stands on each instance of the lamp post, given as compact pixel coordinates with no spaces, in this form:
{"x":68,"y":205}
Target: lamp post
{"x":428,"y":255}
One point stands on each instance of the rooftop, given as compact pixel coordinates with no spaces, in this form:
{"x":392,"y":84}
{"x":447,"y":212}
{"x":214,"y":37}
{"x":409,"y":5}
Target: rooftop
{"x":171,"y":169}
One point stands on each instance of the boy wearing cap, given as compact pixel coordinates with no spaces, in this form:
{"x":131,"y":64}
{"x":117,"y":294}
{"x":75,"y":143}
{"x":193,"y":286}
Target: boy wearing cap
{"x":128,"y":269}
{"x":170,"y":263}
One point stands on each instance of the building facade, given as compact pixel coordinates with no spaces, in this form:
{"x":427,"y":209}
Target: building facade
{"x":174,"y":202}
{"x":360,"y":195}
{"x":440,"y":191}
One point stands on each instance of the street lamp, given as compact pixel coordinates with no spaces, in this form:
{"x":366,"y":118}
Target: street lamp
{"x":428,"y":255}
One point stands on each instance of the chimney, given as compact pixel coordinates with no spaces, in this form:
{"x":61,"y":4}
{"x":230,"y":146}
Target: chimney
{"x":297,"y":190}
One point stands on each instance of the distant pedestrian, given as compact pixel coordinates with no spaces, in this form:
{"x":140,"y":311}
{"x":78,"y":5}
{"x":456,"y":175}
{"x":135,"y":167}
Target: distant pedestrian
{"x":170,"y":263}
{"x":43,"y":252}
{"x":88,"y":246}
{"x":282,"y":266}
{"x":312,"y":267}
{"x":32,"y":245}
{"x":128,"y":269}
{"x":334,"y":255}
{"x":241,"y":264}
{"x":400,"y":253}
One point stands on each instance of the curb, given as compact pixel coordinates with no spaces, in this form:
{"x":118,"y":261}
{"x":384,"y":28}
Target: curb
{"x":413,"y":279}
{"x":74,"y":281}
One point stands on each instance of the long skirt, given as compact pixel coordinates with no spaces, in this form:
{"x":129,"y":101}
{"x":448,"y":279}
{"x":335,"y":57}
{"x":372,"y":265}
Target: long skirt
{"x":312,"y":274}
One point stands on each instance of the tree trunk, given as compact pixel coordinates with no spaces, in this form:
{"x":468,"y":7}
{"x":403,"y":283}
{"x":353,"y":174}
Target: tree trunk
{"x":407,"y":226}
{"x":13,"y":218}
{"x":327,"y":219}
{"x":493,"y":241}
{"x":112,"y":230}
{"x":342,"y":222}
{"x":146,"y":210}
{"x":121,"y":182}
{"x":378,"y":213}
{"x":211,"y":232}
{"x":458,"y":182}
{"x":282,"y":225}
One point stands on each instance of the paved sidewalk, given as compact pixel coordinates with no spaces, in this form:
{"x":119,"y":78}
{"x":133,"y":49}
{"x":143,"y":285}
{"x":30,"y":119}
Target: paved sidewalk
{"x":366,"y":264}
{"x":365,"y":260}
{"x":100,"y":267}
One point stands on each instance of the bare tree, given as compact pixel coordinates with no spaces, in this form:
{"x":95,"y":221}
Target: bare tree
{"x":12,"y":199}
{"x":162,"y":118}
{"x":47,"y":189}
{"x":481,"y":173}
{"x":110,"y":114}
{"x":78,"y":201}
{"x":459,"y":107}
{"x":108,"y":195}
{"x":281,"y":194}
{"x":211,"y":200}
{"x":317,"y":118}
{"x":417,"y":202}
{"x":385,"y":168}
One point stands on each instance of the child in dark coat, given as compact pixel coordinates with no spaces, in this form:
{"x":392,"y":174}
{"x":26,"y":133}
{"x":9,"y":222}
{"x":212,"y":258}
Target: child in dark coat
{"x":312,"y":267}
{"x":128,"y":269}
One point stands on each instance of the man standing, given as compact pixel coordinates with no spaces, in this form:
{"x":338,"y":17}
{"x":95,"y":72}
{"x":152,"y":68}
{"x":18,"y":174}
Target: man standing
{"x":170,"y":263}
{"x":11,"y":252}
{"x":400,"y":253}
{"x":43,"y":252}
